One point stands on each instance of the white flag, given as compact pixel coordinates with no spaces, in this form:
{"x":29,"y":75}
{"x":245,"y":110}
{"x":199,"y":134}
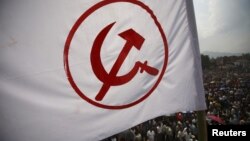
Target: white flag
{"x":84,"y":70}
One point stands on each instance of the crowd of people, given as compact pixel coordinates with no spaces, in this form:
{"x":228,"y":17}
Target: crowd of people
{"x":227,"y":92}
{"x":227,"y":97}
{"x":182,"y":127}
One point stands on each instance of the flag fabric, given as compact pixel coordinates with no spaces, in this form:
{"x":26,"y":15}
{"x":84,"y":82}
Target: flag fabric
{"x":84,"y":70}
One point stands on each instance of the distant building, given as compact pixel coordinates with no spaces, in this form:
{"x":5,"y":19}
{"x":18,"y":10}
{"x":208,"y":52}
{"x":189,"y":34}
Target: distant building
{"x":242,"y":63}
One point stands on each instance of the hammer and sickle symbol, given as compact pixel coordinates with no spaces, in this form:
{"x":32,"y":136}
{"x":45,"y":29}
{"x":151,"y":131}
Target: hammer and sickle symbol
{"x":133,"y":39}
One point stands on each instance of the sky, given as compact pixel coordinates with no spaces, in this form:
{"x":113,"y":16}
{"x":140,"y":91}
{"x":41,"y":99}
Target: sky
{"x":223,"y":25}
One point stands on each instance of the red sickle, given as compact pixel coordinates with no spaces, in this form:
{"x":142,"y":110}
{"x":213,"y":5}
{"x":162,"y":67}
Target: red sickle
{"x":110,"y":79}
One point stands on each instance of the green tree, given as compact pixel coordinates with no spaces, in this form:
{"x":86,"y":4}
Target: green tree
{"x":205,"y":61}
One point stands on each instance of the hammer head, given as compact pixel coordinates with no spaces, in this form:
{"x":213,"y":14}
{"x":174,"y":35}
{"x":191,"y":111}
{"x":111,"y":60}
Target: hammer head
{"x":133,"y":38}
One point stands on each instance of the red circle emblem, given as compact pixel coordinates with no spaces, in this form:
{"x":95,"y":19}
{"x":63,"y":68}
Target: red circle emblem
{"x":76,"y":26}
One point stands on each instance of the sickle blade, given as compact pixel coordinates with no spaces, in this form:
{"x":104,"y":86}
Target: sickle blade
{"x":95,"y":57}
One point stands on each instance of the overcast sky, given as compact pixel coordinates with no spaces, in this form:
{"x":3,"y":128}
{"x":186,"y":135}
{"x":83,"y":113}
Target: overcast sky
{"x":223,"y":25}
